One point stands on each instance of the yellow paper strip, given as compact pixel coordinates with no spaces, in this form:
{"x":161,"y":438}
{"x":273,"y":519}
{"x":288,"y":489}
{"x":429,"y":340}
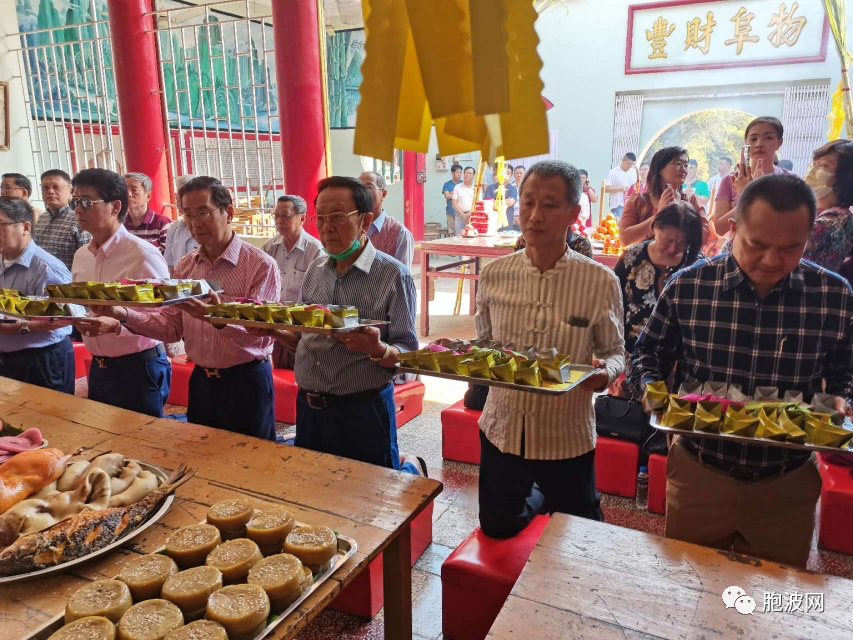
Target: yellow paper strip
{"x":489,"y":61}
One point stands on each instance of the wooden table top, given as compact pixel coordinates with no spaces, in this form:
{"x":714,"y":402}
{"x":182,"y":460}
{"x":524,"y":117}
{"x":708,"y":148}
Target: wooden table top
{"x":480,"y":245}
{"x":367,"y":503}
{"x":592,"y":580}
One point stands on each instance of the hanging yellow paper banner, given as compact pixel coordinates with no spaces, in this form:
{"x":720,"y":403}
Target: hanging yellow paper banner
{"x":490,"y":64}
{"x":836,"y":115}
{"x":414,"y":120}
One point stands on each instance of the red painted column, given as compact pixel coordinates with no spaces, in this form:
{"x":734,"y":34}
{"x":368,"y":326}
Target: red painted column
{"x":414,"y":176}
{"x":137,"y":79}
{"x":301,"y":103}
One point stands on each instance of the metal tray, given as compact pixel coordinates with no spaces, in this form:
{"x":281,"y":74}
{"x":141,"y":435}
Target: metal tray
{"x":157,"y":515}
{"x":133,"y":304}
{"x":764,"y":442}
{"x":579,"y":373}
{"x":295,"y":328}
{"x":346,"y":548}
{"x":8,"y":316}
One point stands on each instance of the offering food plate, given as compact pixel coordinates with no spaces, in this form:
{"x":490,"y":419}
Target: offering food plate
{"x":296,"y":328}
{"x":579,"y":373}
{"x":8,"y":316}
{"x":764,"y":442}
{"x":88,"y":302}
{"x":346,"y":549}
{"x":157,"y":515}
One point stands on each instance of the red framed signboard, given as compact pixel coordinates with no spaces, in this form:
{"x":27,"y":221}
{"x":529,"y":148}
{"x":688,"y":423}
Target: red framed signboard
{"x":691,"y":35}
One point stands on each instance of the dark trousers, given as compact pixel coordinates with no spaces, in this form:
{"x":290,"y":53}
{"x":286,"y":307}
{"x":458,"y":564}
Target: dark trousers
{"x":513,"y":490}
{"x":238,"y":399}
{"x":137,"y":382}
{"x":364,"y":430}
{"x":51,"y":367}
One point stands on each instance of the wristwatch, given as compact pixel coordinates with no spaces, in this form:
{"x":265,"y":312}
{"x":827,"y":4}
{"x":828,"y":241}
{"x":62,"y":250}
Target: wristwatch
{"x":24,"y":328}
{"x":384,"y":354}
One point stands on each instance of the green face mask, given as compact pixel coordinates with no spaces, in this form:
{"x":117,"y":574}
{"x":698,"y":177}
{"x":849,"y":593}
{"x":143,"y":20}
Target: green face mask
{"x":355,"y":246}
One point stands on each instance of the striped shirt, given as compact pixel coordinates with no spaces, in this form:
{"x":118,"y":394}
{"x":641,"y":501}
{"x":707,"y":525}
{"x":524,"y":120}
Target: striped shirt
{"x":519,"y":305}
{"x":294,"y":263}
{"x":243,"y":271}
{"x":59,"y":234}
{"x":153,"y":228}
{"x":389,"y":236}
{"x":382,"y":289}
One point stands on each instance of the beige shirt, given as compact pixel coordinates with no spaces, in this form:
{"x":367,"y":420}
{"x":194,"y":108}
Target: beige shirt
{"x":517,"y":304}
{"x":294,"y":263}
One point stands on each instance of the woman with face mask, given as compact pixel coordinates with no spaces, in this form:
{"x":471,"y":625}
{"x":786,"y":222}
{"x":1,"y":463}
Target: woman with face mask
{"x":831,"y":177}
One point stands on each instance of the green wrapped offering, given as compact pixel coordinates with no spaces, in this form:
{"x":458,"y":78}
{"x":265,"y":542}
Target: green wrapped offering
{"x":826,"y":434}
{"x":246,"y":311}
{"x":452,"y":362}
{"x":793,"y":430}
{"x":769,"y":428}
{"x":708,"y":417}
{"x":656,"y":395}
{"x":308,"y":317}
{"x":676,"y":417}
{"x":528,"y":374}
{"x":504,"y":369}
{"x":739,"y":422}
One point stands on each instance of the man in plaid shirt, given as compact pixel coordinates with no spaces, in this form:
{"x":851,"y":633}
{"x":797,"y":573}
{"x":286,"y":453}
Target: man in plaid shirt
{"x":760,"y":316}
{"x":58,"y":231}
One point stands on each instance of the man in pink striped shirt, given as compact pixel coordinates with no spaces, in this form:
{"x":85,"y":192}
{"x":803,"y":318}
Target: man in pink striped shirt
{"x":231,"y":385}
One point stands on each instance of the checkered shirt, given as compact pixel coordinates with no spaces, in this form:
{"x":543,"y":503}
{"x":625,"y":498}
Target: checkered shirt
{"x":711,"y":323}
{"x":59,"y":234}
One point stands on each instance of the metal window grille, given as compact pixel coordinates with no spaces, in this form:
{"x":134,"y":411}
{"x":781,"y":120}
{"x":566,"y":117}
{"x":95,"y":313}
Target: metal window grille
{"x":217,"y":69}
{"x":67,"y":72}
{"x":804,"y":116}
{"x":627,"y":119}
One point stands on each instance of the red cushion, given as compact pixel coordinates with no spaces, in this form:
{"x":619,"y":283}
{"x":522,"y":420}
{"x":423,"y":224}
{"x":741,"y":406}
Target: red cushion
{"x":836,"y":507}
{"x":460,"y":434}
{"x":284,"y":392}
{"x":409,"y":400}
{"x":80,"y":353}
{"x":657,"y":483}
{"x":616,"y":467}
{"x":182,"y":369}
{"x":477,"y":577}
{"x":364,"y":596}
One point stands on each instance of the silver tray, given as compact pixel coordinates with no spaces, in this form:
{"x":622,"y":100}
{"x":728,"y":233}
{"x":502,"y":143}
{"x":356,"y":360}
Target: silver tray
{"x":295,"y":328}
{"x":346,"y":548}
{"x":153,"y":518}
{"x":547,"y":388}
{"x":8,"y":316}
{"x":764,"y":442}
{"x":133,"y":304}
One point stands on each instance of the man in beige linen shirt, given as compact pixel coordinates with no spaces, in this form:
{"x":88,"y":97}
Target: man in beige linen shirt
{"x":538,"y":452}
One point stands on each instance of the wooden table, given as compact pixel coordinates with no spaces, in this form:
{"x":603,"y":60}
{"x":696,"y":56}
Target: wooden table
{"x":473,"y":249}
{"x":373,"y":505}
{"x":592,"y":580}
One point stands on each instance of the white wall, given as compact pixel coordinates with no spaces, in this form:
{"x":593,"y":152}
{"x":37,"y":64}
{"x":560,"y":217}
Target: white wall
{"x":19,"y":157}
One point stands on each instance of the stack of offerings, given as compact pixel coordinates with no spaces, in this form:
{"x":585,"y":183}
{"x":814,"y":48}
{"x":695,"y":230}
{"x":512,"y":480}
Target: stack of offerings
{"x":126,"y":290}
{"x":484,"y":219}
{"x":723,"y":409}
{"x":491,"y":360}
{"x":12,"y":301}
{"x":305,"y":315}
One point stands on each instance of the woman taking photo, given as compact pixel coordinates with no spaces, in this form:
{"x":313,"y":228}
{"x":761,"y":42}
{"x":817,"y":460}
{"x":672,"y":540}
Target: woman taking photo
{"x":831,"y":178}
{"x":667,"y":173}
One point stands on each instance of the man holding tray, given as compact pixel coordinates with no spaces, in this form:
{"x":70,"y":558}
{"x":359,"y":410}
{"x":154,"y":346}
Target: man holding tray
{"x":345,"y":404}
{"x":231,"y":384}
{"x":538,"y":452}
{"x":38,"y":352}
{"x":760,"y":316}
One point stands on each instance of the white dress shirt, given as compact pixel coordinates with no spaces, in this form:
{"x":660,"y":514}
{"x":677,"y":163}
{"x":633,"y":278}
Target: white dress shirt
{"x":517,"y":304}
{"x":294,"y":263}
{"x":464,"y":197}
{"x":122,"y":256}
{"x":619,"y":178}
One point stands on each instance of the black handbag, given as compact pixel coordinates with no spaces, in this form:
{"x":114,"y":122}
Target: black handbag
{"x":621,"y":418}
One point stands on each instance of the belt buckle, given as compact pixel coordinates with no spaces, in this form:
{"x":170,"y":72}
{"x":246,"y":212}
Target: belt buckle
{"x":102,"y":362}
{"x":212,"y":373}
{"x":315,"y":400}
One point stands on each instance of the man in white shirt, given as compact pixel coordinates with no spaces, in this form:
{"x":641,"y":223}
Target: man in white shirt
{"x":293,"y":248}
{"x":463,"y":199}
{"x":619,"y":181}
{"x":179,"y":240}
{"x":387,"y":234}
{"x":128,"y":370}
{"x":538,"y":452}
{"x":724,"y":168}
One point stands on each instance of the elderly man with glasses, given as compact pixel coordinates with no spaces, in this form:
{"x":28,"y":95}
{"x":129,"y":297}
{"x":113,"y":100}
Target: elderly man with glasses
{"x":345,"y":404}
{"x":231,"y":384}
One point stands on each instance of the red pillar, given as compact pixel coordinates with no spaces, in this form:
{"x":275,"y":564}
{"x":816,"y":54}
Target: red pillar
{"x":414,"y":176}
{"x":301,"y":103}
{"x":137,"y":79}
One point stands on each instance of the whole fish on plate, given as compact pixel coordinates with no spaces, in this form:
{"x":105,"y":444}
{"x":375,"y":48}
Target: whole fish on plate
{"x":84,"y":533}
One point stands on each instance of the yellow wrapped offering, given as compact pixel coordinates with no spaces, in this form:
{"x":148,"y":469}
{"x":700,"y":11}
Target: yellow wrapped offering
{"x":656,"y":395}
{"x":229,"y":310}
{"x":826,"y":434}
{"x":342,"y":316}
{"x":708,"y":417}
{"x":676,"y":417}
{"x":479,"y":368}
{"x":112,"y":290}
{"x":246,"y":311}
{"x":68,"y":290}
{"x":82,"y":290}
{"x":137,"y":292}
{"x":281,"y":315}
{"x":408,"y":359}
{"x":173,"y":291}
{"x":675,"y":401}
{"x":96,"y":290}
{"x":528,"y":374}
{"x":768,"y":427}
{"x":504,"y":369}
{"x":739,"y":422}
{"x":33,"y":307}
{"x":308,"y":317}
{"x":558,"y":370}
{"x":450,"y":362}
{"x":792,"y":428}
{"x":53,"y":290}
{"x":427,"y":360}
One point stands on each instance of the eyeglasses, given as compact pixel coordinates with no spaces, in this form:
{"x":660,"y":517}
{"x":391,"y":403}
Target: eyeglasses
{"x":85,"y":203}
{"x":202,"y":216}
{"x":333,"y":219}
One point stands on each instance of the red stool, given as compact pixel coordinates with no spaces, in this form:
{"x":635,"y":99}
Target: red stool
{"x":616,"y":467}
{"x":836,"y":507}
{"x":365,"y":595}
{"x":182,"y":369}
{"x":284,"y":393}
{"x":477,"y":577}
{"x":460,"y":434}
{"x":657,"y":483}
{"x":409,"y":400}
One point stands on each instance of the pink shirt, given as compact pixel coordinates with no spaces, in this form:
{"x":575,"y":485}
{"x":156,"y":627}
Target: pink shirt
{"x":727,"y":192}
{"x":122,"y":256}
{"x":243,"y":271}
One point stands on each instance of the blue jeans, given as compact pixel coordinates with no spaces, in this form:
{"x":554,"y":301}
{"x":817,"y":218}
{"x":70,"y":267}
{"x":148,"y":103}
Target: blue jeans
{"x":617,"y":211}
{"x":364,"y":430}
{"x":460,"y":224}
{"x":51,"y":367}
{"x":131,"y":383}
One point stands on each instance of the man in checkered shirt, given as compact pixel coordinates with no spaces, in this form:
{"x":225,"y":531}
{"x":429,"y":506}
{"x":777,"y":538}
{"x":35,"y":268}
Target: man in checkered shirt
{"x":760,"y":316}
{"x":57,"y":231}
